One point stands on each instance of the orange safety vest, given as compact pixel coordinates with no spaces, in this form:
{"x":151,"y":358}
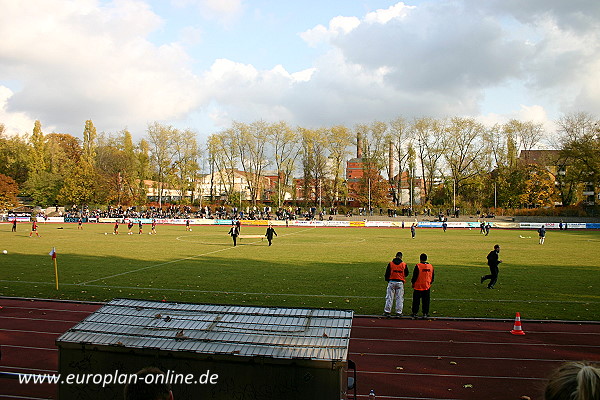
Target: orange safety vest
{"x":397,"y":271}
{"x":423,"y":281}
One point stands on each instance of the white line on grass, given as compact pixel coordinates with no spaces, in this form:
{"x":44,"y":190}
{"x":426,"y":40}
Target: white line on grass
{"x":324,"y":295}
{"x":178,"y":260}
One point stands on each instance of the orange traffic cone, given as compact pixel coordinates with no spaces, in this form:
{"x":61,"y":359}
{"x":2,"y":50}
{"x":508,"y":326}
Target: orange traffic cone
{"x":517,"y":327}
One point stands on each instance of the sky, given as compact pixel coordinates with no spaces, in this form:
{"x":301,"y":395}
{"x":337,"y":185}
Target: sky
{"x":202,"y":64}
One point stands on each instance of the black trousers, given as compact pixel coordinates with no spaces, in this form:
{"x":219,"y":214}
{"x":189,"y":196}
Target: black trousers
{"x":418,"y":296}
{"x":493,"y":276}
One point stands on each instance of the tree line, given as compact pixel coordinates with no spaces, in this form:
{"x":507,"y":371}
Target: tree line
{"x":455,"y":160}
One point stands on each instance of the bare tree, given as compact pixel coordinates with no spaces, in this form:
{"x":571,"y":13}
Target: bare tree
{"x":464,"y":150}
{"x":251,"y":144}
{"x":340,"y":138}
{"x":401,"y":137}
{"x":185,"y":160}
{"x":430,"y":136}
{"x":224,"y":160}
{"x":528,"y":133}
{"x":161,"y":140}
{"x":284,"y":142}
{"x":314,"y":162}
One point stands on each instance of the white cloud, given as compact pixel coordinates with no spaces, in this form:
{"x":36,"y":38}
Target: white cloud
{"x":75,"y":61}
{"x":224,"y":11}
{"x":383,"y":16}
{"x":337,"y":26}
{"x":16,"y":123}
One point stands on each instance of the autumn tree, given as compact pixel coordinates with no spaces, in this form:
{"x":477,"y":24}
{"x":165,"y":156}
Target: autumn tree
{"x":579,"y":160}
{"x":14,"y":156}
{"x":42,"y":186}
{"x":9,"y":189}
{"x":37,"y":153}
{"x":539,"y":189}
{"x":81,"y":184}
{"x":63,"y":152}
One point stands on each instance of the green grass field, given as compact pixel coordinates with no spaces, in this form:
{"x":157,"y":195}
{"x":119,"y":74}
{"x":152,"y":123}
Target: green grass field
{"x":308,"y":267}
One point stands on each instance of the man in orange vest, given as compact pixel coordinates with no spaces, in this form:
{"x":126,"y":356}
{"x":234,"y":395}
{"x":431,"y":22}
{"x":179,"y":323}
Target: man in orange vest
{"x":395,"y":275}
{"x":422,"y":279}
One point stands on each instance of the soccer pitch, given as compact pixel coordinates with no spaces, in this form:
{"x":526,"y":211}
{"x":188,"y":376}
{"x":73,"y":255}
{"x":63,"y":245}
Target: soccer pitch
{"x":307,"y":267}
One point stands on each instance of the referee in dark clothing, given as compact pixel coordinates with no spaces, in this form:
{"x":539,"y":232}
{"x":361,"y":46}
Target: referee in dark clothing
{"x":493,"y":261}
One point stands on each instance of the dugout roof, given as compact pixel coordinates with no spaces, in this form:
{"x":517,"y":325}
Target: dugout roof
{"x":287,"y":333}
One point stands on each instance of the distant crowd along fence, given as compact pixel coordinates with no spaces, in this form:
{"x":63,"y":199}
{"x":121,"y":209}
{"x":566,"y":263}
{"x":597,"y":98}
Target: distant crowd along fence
{"x":316,"y":223}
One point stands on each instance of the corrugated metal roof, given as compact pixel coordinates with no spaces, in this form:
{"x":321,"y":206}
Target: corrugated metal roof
{"x":314,"y":334}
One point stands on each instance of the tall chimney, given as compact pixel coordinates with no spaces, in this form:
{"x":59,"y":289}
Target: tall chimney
{"x":391,"y":162}
{"x":359,"y":153}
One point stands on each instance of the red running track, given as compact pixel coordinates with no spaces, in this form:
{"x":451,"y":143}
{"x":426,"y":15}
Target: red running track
{"x":398,"y":358}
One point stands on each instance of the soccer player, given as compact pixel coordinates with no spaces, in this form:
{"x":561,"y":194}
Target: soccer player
{"x":153,"y":226}
{"x":34,"y":228}
{"x":542,"y":234}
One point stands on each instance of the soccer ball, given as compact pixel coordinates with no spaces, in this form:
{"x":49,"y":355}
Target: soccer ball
{"x":190,"y":229}
{"x":105,"y":233}
{"x":4,"y":252}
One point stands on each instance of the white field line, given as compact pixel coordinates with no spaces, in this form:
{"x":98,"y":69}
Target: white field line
{"x":178,"y":260}
{"x":324,"y":295}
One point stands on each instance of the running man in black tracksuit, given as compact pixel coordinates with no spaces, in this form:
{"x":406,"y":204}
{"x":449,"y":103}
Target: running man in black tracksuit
{"x":493,"y":261}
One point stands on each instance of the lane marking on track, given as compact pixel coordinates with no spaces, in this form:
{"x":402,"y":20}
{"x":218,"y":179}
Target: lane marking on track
{"x":457,"y":330}
{"x":41,"y":319}
{"x":48,"y":309}
{"x":8,"y":396}
{"x":30,"y":369}
{"x":29,"y":348}
{"x":34,"y":332}
{"x":452,"y":357}
{"x":176,"y":261}
{"x":451,"y":375}
{"x":454,"y":342}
